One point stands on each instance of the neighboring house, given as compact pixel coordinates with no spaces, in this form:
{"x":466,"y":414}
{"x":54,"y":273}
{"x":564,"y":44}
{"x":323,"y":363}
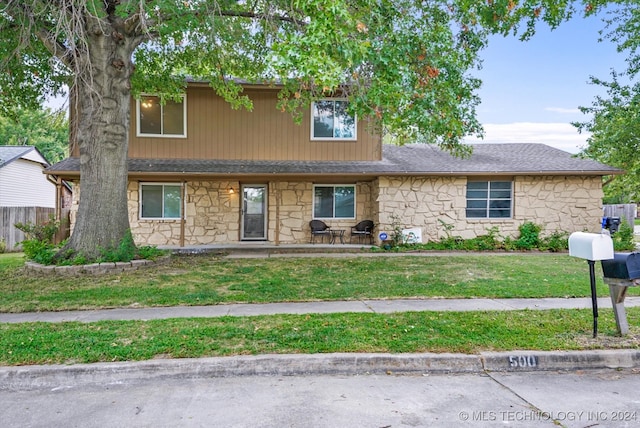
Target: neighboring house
{"x":22,"y":182}
{"x":26,"y":194}
{"x":201,"y":173}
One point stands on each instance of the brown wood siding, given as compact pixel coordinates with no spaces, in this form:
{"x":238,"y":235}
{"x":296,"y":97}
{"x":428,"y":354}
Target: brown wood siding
{"x":216,"y":131}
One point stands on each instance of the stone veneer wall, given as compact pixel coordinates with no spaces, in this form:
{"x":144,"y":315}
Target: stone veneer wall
{"x":213,"y":215}
{"x":295,"y":200}
{"x":558,"y":203}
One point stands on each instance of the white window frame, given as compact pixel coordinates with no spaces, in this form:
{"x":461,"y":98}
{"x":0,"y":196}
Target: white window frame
{"x":162,"y":135}
{"x":140,"y":191}
{"x":355,"y":199}
{"x":355,"y":123}
{"x":488,"y":199}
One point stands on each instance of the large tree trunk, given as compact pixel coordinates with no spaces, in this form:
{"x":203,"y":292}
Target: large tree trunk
{"x":101,"y":95}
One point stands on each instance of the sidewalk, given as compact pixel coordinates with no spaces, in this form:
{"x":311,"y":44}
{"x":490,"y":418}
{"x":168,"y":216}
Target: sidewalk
{"x":325,"y":364}
{"x":371,"y":306}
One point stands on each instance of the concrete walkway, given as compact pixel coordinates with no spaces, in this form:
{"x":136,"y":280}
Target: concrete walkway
{"x":371,"y":306}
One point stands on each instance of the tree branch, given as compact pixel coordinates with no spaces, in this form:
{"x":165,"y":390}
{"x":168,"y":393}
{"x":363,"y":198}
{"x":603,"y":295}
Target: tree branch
{"x":44,"y":32}
{"x":261,"y":16}
{"x":56,"y":48}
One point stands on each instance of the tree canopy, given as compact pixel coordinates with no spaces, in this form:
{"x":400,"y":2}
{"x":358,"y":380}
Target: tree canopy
{"x":407,"y":64}
{"x":46,"y":129}
{"x":614,"y":121}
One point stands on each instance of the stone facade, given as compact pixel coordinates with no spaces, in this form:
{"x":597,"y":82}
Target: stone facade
{"x":558,"y":203}
{"x":213,"y":214}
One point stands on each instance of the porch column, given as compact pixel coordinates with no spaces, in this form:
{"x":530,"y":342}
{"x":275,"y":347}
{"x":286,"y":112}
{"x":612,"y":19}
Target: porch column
{"x":278,"y":197}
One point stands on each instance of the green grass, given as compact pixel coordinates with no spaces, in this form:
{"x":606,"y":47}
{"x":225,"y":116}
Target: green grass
{"x":208,"y":280}
{"x":213,"y":280}
{"x":11,"y":260}
{"x":464,"y":332}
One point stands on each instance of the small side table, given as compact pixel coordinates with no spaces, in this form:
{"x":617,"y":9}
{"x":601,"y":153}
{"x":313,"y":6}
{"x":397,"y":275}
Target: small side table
{"x":337,"y":233}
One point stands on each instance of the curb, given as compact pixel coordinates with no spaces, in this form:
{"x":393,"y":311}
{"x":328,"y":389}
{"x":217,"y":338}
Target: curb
{"x":61,"y":376}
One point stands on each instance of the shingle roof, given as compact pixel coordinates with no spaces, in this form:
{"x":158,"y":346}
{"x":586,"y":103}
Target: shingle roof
{"x":413,"y":159}
{"x":515,"y":158}
{"x":10,"y":153}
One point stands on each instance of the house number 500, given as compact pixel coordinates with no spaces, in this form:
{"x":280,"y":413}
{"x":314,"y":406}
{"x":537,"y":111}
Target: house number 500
{"x":523,"y":361}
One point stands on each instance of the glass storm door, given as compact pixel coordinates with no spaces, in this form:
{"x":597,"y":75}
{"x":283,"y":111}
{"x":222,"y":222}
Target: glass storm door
{"x":254,"y":212}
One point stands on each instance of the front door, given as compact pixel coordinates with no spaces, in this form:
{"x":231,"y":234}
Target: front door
{"x":254,"y":212}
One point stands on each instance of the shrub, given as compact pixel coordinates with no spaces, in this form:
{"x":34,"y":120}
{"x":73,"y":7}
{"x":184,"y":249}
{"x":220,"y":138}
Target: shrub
{"x":40,"y":232}
{"x":529,"y":236}
{"x":396,"y":232}
{"x":3,"y":246}
{"x":39,"y":251}
{"x":529,"y":239}
{"x":623,"y":239}
{"x":124,"y":252}
{"x":39,"y":245}
{"x":509,"y":244}
{"x":555,"y":242}
{"x":150,"y":252}
{"x":483,"y":242}
{"x":40,"y":248}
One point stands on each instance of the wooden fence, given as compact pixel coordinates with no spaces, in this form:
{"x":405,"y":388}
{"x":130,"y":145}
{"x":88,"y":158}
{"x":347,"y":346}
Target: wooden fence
{"x":9,"y":216}
{"x":626,"y":212}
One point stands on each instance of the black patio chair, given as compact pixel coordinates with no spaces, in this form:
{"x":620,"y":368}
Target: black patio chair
{"x":319,"y":228}
{"x":362,"y":230}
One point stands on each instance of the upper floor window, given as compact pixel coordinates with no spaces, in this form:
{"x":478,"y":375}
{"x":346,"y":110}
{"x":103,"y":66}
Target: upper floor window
{"x":489,"y":199}
{"x":331,"y":121}
{"x":157,"y":120}
{"x":160,"y":201}
{"x":334,"y":202}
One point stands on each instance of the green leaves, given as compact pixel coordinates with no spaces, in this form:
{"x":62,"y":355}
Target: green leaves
{"x":45,"y":129}
{"x":615,"y":136}
{"x":407,"y":65}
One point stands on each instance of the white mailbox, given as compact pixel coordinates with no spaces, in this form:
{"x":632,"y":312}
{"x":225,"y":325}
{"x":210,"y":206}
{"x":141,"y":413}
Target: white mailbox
{"x":591,"y":246}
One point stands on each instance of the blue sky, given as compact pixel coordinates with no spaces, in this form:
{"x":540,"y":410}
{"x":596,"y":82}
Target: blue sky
{"x":532,"y":90}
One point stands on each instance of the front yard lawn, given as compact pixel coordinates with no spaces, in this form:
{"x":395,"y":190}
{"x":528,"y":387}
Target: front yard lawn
{"x":210,"y":280}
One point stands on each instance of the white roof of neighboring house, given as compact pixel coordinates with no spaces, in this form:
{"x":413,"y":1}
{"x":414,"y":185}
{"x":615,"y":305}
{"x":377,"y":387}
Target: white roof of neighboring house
{"x":10,"y":153}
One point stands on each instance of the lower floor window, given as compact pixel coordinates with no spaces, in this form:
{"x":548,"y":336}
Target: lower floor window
{"x":334,"y":202}
{"x":160,"y":201}
{"x":489,"y":199}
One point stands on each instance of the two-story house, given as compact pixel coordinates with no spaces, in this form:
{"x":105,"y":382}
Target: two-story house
{"x":201,"y":173}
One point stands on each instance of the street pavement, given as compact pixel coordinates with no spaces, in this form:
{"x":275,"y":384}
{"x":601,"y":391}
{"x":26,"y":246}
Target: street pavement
{"x":592,"y":398}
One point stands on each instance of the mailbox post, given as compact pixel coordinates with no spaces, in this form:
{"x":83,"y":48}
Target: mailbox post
{"x":621,"y":272}
{"x":591,"y":247}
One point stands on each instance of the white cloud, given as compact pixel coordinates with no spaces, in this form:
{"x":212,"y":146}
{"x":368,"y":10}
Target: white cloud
{"x":562,"y":136}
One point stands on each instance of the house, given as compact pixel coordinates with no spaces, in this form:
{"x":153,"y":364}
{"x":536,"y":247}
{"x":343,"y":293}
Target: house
{"x":201,"y":173}
{"x":26,"y":194}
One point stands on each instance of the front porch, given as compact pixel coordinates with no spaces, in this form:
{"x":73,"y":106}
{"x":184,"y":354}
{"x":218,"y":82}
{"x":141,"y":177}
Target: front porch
{"x":262,"y":248}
